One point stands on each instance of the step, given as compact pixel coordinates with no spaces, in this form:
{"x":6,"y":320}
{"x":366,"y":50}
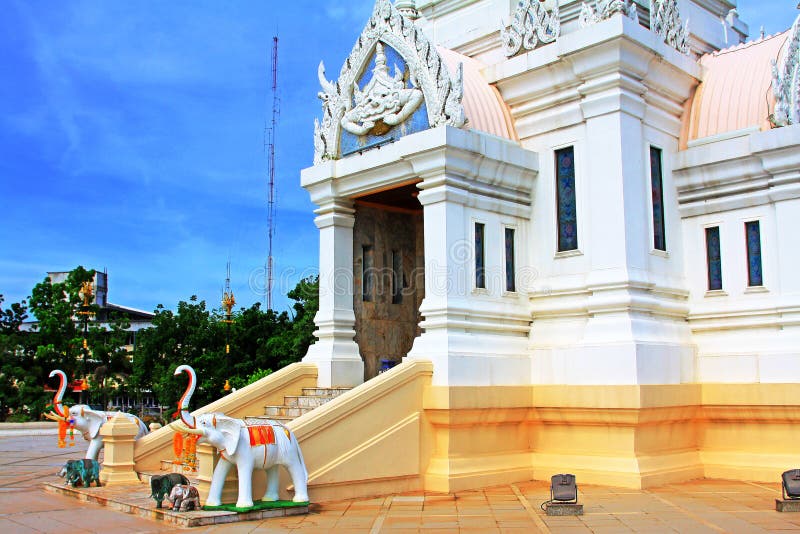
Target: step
{"x":325,"y":392}
{"x":134,"y":499}
{"x":169,"y":466}
{"x":305,"y":401}
{"x":285,"y":411}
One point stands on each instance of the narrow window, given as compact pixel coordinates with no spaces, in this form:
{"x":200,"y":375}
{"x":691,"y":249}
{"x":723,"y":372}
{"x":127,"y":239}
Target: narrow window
{"x":565,"y":199}
{"x":397,"y":277}
{"x":510,"y":271}
{"x":752,"y":232}
{"x":367,"y":273}
{"x":657,"y":191}
{"x":480,"y":265}
{"x":713,"y":259}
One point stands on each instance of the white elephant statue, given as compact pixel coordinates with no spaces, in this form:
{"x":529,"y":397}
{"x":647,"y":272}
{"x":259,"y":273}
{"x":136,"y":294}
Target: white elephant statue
{"x":266,"y":446}
{"x":86,"y":420}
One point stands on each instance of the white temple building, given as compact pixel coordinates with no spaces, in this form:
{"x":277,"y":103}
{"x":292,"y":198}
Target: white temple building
{"x":595,"y":205}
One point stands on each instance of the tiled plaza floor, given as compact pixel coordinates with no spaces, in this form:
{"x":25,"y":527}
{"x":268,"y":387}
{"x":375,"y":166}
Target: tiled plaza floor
{"x":699,"y":506}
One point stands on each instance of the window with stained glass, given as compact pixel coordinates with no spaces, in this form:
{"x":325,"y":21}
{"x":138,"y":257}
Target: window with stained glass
{"x":657,"y":194}
{"x":565,"y":199}
{"x":511,"y":284}
{"x":752,"y":232}
{"x":480,"y":263}
{"x":713,"y":258}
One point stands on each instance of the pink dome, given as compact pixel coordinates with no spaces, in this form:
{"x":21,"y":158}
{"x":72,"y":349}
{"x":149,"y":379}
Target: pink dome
{"x":484,"y":107}
{"x":735,"y":92}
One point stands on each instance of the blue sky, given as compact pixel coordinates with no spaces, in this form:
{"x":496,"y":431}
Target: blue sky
{"x":131,"y":139}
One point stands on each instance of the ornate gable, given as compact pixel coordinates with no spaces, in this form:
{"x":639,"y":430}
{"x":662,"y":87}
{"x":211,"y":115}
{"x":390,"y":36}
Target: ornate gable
{"x":369,"y":104}
{"x":786,"y":81}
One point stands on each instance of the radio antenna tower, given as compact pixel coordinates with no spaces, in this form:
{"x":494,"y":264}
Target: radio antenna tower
{"x":271,"y":163}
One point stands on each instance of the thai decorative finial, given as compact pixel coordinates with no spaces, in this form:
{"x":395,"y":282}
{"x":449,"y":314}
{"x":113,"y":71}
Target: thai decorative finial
{"x":786,"y":81}
{"x":86,"y":292}
{"x":408,"y":8}
{"x":228,"y":300}
{"x":427,"y":74}
{"x":665,"y":20}
{"x":532,"y":24}
{"x":605,"y":9}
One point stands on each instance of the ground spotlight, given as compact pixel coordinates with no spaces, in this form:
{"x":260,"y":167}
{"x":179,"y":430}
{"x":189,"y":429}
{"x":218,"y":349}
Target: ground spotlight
{"x":563,"y":489}
{"x":563,"y":496}
{"x":790,"y":490}
{"x":791,"y":484}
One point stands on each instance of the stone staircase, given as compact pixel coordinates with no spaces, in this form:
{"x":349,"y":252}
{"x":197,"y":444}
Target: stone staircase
{"x":293,"y":406}
{"x":296,"y":405}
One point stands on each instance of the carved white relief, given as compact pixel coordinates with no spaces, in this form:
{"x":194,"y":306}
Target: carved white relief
{"x":604,"y":9}
{"x":665,"y":20}
{"x":344,"y":104}
{"x":786,"y":81}
{"x":384,"y":102}
{"x":532,"y":24}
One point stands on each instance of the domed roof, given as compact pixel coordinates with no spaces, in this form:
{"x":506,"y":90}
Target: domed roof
{"x":735,"y":92}
{"x":484,"y":107}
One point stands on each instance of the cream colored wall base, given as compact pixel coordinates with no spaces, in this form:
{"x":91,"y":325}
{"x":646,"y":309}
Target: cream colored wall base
{"x":369,"y":441}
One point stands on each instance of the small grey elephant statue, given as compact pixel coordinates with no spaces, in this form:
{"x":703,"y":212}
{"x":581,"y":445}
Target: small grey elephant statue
{"x":161,"y":486}
{"x":81,"y":471}
{"x":184,"y":498}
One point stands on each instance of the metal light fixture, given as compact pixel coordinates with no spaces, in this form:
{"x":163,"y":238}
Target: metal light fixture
{"x":791,"y":484}
{"x":563,"y":489}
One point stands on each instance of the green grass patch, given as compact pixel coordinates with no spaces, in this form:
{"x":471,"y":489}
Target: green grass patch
{"x":257,"y":505}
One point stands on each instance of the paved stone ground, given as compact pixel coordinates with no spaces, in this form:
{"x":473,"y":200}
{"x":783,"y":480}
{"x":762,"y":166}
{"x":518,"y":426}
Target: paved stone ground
{"x":704,"y":506}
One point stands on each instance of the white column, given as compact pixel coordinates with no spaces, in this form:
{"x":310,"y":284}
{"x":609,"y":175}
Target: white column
{"x":471,"y":336}
{"x":335,"y":353}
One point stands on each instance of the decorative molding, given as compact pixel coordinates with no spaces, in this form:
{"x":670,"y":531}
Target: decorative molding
{"x":532,"y":24}
{"x":408,"y":8}
{"x":604,"y":9}
{"x":427,"y":73}
{"x":786,"y":82}
{"x":665,"y":20}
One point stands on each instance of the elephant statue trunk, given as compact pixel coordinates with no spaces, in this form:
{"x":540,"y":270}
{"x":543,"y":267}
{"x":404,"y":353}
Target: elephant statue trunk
{"x":60,"y":413}
{"x":183,"y":404}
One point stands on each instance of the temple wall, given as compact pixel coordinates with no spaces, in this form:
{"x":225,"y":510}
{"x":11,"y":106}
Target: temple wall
{"x":745,"y":331}
{"x":456,"y":438}
{"x":387,"y":320}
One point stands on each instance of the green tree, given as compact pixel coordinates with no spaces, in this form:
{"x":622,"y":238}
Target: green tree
{"x":56,"y":341}
{"x":306,"y":297}
{"x":17,"y":369}
{"x":259,"y":342}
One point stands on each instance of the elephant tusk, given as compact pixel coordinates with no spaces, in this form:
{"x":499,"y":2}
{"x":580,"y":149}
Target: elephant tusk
{"x":183,"y":429}
{"x":54,"y":417}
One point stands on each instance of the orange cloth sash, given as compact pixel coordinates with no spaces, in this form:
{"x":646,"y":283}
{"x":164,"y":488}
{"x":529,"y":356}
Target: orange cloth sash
{"x":261,"y":435}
